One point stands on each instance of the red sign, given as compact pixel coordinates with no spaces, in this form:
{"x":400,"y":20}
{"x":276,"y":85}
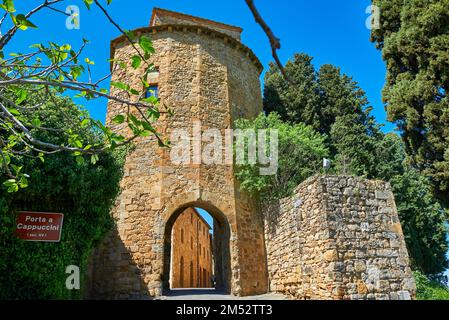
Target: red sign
{"x":39,"y":226}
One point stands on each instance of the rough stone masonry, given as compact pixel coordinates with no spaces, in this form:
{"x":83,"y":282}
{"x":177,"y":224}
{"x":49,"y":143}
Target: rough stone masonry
{"x":337,"y":238}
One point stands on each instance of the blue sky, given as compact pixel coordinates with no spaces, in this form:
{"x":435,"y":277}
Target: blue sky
{"x":332,"y":32}
{"x":206,"y":216}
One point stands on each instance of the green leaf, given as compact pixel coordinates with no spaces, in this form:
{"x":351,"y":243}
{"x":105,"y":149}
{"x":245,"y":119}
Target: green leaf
{"x":145,"y":134}
{"x":131,"y":35}
{"x":85,"y":122}
{"x":94,"y":159}
{"x":76,"y":71}
{"x":88,"y":3}
{"x":11,"y":185}
{"x":119,"y":119}
{"x":37,"y":46}
{"x":148,"y":126}
{"x":136,"y":62}
{"x":145,"y":83}
{"x":8,"y":5}
{"x":36,"y":122}
{"x":108,"y":1}
{"x":14,"y":111}
{"x":22,"y":95}
{"x":153,"y":114}
{"x":120,"y":85}
{"x":118,"y":138}
{"x":78,"y":143}
{"x":88,"y":61}
{"x":134,"y":91}
{"x":9,"y":182}
{"x":65,"y":47}
{"x":22,"y":22}
{"x":16,"y":169}
{"x":23,"y":182}
{"x":151,"y":100}
{"x":7,"y":158}
{"x":134,"y":120}
{"x":80,"y":95}
{"x":147,"y":45}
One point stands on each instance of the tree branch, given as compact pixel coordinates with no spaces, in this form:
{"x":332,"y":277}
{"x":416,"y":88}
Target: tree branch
{"x":75,"y":86}
{"x":10,"y":33}
{"x":275,"y":42}
{"x":108,"y":16}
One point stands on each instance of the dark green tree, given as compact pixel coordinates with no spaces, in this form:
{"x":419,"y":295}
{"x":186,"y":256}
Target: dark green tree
{"x":82,"y":189}
{"x":340,"y":95}
{"x":389,"y":155}
{"x":313,"y":97}
{"x":423,"y":221}
{"x":414,"y":39}
{"x":354,"y":146}
{"x":298,"y":102}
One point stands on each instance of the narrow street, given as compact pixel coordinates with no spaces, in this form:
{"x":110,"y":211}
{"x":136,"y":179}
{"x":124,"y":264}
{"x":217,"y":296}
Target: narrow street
{"x":212,"y":294}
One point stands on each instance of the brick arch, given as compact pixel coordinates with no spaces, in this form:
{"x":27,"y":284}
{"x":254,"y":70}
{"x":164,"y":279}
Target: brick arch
{"x":221,"y":248}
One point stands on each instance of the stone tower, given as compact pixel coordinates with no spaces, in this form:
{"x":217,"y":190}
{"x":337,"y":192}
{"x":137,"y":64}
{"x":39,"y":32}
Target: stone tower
{"x":204,"y":73}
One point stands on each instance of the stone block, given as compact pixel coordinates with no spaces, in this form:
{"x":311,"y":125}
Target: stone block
{"x":382,"y":195}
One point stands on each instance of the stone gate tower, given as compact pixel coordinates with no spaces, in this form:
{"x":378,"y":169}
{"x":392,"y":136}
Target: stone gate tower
{"x":204,"y":73}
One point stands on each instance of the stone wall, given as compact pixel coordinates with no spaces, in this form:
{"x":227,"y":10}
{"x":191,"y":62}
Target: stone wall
{"x":338,"y":238}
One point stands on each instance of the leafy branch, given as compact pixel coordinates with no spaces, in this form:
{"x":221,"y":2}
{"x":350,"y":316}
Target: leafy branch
{"x":28,"y":81}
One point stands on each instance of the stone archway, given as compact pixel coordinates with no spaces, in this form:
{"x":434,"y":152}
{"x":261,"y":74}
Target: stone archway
{"x":221,"y":245}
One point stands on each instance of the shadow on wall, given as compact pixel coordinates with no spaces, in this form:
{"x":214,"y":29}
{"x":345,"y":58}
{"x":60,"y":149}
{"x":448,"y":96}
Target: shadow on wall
{"x":271,"y":214}
{"x":119,"y":271}
{"x":115,"y":275}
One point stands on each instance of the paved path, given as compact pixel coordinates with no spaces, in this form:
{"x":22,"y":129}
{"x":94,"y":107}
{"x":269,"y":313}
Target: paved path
{"x":211,"y":294}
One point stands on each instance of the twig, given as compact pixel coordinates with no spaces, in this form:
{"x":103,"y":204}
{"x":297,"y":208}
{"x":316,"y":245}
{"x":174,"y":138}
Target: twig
{"x":120,"y":29}
{"x":5,"y":165}
{"x":59,"y":11}
{"x":4,"y":40}
{"x":275,"y":42}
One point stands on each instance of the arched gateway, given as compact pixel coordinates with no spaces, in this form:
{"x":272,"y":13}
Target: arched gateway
{"x":209,"y":79}
{"x":221,"y":245}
